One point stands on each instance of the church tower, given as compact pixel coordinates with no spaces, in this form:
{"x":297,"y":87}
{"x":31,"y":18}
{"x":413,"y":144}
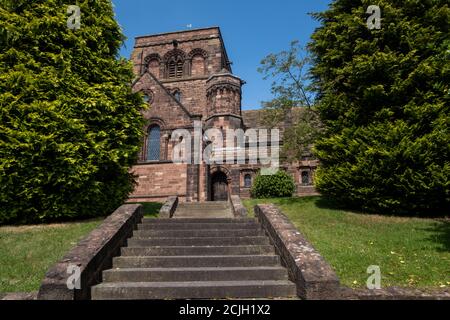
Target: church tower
{"x":224,"y":101}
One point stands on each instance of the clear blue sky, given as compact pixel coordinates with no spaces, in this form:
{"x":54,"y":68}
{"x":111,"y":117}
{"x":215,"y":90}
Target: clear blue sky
{"x":251,"y":30}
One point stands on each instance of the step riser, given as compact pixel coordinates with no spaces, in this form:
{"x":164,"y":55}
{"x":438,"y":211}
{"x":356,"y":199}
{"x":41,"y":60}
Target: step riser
{"x":196,"y":233}
{"x":137,"y":242}
{"x":216,"y":292}
{"x":202,"y":204}
{"x":200,"y":275}
{"x":195,"y":262}
{"x":193,"y":208}
{"x":198,"y":220}
{"x":200,"y":210}
{"x":200,"y":251}
{"x":199,"y":226}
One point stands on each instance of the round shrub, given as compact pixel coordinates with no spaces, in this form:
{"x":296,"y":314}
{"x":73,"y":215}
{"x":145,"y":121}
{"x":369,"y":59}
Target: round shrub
{"x":273,"y":186}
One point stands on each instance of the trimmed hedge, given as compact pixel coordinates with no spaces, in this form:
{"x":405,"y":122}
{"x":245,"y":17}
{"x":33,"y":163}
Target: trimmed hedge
{"x":273,"y":186}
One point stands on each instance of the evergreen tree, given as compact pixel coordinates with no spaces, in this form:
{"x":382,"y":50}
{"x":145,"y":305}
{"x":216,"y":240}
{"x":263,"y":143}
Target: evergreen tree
{"x":70,"y":126}
{"x":384,"y":98}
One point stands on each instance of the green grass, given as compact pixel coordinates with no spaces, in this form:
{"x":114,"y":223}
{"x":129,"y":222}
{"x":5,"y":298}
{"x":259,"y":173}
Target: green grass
{"x":411,"y":252}
{"x":26,"y":252}
{"x":151,"y":209}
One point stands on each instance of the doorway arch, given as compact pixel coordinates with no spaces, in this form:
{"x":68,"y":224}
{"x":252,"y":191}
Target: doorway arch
{"x":219,"y":186}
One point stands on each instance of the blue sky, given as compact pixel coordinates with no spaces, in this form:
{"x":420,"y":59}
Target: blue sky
{"x":251,"y":29}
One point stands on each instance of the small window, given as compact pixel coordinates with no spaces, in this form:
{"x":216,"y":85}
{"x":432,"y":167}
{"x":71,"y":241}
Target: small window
{"x":177,"y":95}
{"x":305,"y":178}
{"x":247,"y":181}
{"x":148,"y":97}
{"x":175,"y":68}
{"x":172,"y":69}
{"x":179,"y":69}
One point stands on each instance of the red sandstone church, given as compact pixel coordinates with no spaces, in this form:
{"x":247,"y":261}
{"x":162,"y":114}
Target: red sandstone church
{"x":186,"y":77}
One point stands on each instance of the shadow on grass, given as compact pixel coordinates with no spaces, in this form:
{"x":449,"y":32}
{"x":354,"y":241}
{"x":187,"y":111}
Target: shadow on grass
{"x":440,"y":234}
{"x":151,"y":209}
{"x":324,"y":202}
{"x":295,"y":200}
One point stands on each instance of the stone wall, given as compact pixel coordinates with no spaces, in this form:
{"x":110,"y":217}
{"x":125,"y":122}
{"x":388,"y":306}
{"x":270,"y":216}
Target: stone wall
{"x":169,"y":208}
{"x":157,"y":181}
{"x":91,"y":255}
{"x":239,"y":211}
{"x":314,"y":277}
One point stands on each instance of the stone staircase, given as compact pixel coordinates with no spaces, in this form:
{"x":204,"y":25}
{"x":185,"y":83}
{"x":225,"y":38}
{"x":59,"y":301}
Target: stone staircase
{"x":212,"y":209}
{"x":196,"y":258}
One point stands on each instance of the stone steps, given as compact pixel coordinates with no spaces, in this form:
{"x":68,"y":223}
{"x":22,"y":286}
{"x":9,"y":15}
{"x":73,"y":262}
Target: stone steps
{"x":197,"y":241}
{"x":197,"y":226}
{"x":189,"y":221}
{"x":195,"y":261}
{"x":198,"y":250}
{"x":197,"y":233}
{"x":196,"y":258}
{"x":193,"y":290}
{"x":194,"y":274}
{"x":203,"y":210}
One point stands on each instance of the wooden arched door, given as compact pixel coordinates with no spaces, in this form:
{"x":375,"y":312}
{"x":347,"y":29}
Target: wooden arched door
{"x":219,"y":187}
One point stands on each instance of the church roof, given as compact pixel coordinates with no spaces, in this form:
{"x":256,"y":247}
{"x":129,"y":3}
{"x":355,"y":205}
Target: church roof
{"x":255,"y":119}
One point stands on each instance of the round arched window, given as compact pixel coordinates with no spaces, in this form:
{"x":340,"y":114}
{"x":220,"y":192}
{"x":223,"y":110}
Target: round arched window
{"x":148,"y":97}
{"x":177,"y":95}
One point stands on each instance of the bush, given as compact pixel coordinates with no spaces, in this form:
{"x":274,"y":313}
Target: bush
{"x":70,"y":126}
{"x":273,"y":186}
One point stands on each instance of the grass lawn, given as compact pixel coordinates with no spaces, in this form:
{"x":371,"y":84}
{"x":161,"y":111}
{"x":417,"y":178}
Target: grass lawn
{"x":411,"y":252}
{"x":26,"y":252}
{"x":151,"y":209}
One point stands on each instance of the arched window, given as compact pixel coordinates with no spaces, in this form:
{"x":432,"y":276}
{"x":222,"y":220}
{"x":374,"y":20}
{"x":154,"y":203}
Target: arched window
{"x":175,"y":67}
{"x":177,"y":95}
{"x":247,"y":180}
{"x":305,"y":178}
{"x":153,"y":143}
{"x":148,"y":96}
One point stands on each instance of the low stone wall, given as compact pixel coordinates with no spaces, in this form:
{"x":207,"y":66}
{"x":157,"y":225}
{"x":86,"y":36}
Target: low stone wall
{"x":169,"y":207}
{"x":314,"y":277}
{"x":239,"y":211}
{"x":92,"y":255}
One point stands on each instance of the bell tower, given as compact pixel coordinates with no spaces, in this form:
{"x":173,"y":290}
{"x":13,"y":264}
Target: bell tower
{"x":224,"y":101}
